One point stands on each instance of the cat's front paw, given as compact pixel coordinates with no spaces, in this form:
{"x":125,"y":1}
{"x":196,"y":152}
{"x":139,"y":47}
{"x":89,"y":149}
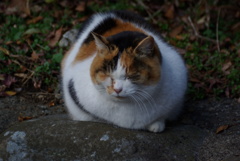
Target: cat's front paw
{"x":157,"y":126}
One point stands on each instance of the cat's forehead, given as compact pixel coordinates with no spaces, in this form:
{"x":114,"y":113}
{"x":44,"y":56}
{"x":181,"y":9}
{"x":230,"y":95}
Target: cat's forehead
{"x":119,"y":72}
{"x":126,"y":39}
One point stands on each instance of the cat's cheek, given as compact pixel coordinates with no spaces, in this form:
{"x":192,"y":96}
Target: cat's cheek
{"x":129,"y":87}
{"x":110,"y":90}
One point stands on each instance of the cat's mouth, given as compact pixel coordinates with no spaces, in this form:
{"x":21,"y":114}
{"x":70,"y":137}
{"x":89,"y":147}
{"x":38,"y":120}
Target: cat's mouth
{"x":120,"y":97}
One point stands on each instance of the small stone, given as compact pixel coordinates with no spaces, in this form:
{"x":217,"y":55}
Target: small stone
{"x":104,"y":138}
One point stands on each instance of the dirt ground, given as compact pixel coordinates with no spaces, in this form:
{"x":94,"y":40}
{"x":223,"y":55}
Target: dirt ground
{"x":28,"y":106}
{"x":222,"y":115}
{"x":207,"y":114}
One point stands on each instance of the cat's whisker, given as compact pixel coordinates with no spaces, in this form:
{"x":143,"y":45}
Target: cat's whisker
{"x":135,"y":101}
{"x":148,"y":97}
{"x":138,"y":104}
{"x":139,"y":97}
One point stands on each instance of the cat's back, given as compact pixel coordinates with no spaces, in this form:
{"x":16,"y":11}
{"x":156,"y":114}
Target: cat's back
{"x":105,"y":24}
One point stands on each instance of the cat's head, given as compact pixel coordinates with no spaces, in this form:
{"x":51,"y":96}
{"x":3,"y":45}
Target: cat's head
{"x":125,"y":63}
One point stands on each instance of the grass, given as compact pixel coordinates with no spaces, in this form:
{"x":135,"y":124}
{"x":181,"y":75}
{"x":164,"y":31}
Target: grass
{"x":214,"y":68}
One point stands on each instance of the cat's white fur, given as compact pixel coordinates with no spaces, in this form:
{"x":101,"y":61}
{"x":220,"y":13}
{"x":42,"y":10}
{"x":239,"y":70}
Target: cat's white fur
{"x":149,"y":111}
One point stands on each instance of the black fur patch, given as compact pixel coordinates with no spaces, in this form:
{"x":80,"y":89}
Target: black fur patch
{"x":103,"y":27}
{"x":126,"y":39}
{"x":110,"y":23}
{"x":136,"y":19}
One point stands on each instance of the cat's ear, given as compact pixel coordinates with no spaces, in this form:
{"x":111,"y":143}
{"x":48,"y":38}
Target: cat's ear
{"x":101,"y":42}
{"x":145,"y":47}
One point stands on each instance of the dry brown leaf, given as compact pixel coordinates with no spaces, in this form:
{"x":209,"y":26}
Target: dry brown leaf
{"x":21,"y":75}
{"x":35,"y":20}
{"x":180,"y":37}
{"x":34,"y":56}
{"x":37,"y":84}
{"x":77,"y":21}
{"x":176,"y":31}
{"x":195,"y":80}
{"x":2,"y":88}
{"x":56,"y":37}
{"x":81,"y":7}
{"x":201,"y":20}
{"x":20,"y":6}
{"x":2,"y":77}
{"x":226,"y":66}
{"x":170,"y":12}
{"x":222,"y":128}
{"x":10,"y":93}
{"x":23,"y":118}
{"x":52,"y":103}
{"x":5,"y":51}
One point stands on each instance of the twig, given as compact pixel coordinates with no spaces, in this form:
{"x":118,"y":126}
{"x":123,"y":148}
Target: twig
{"x":28,"y":78}
{"x":29,"y":45}
{"x":197,"y":34}
{"x":218,"y":46}
{"x":148,"y":10}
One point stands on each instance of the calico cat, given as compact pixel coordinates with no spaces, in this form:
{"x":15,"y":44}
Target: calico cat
{"x":120,"y":71}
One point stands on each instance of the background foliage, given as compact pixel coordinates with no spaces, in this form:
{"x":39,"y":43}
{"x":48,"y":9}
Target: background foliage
{"x":205,"y":32}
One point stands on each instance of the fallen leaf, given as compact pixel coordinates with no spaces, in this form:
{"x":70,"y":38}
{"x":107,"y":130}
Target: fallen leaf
{"x":81,"y":7}
{"x":201,"y":20}
{"x":2,"y":88}
{"x":1,"y":77}
{"x":35,"y":20}
{"x":20,"y":6}
{"x":37,"y":84}
{"x":21,"y":75}
{"x":180,"y":37}
{"x":77,"y":21}
{"x":176,"y":31}
{"x":52,"y":103}
{"x":9,"y":80}
{"x":226,"y":66}
{"x":23,"y":118}
{"x":34,"y":56}
{"x":222,"y":128}
{"x":56,"y":37}
{"x":49,"y":1}
{"x":5,"y":51}
{"x":170,"y":12}
{"x":181,"y":51}
{"x":195,"y":80}
{"x":9,"y":42}
{"x":11,"y":93}
{"x":32,"y":31}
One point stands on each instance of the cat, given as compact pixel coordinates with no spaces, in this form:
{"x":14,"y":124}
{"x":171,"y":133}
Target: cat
{"x":120,"y":71}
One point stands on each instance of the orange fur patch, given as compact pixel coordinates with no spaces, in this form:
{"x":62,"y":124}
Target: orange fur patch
{"x":120,"y":27}
{"x":98,"y":73}
{"x":110,"y":89}
{"x":88,"y":50}
{"x":142,"y":70}
{"x":85,"y":51}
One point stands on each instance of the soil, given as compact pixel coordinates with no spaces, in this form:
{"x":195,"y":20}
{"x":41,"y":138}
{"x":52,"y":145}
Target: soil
{"x":28,"y":105}
{"x":222,"y":115}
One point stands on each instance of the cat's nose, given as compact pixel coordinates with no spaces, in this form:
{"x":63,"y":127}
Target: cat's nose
{"x":118,"y":90}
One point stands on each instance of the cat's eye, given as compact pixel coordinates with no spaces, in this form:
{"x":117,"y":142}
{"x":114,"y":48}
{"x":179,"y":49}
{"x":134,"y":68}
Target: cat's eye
{"x":133,"y":77}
